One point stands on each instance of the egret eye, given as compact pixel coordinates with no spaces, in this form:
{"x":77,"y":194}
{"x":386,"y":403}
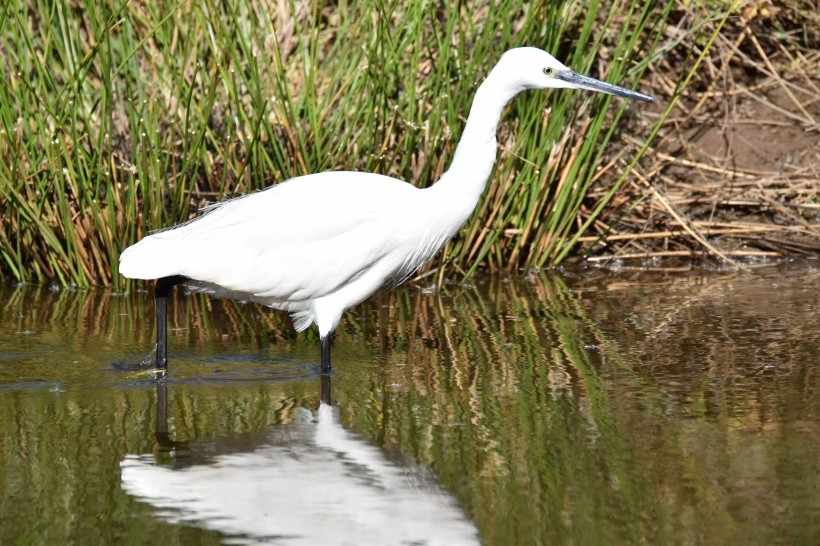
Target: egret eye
{"x":549,"y":71}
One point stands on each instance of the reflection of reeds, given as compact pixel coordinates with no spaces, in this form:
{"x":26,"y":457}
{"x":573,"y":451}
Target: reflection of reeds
{"x":593,"y":408}
{"x":492,"y":386}
{"x":536,"y":394}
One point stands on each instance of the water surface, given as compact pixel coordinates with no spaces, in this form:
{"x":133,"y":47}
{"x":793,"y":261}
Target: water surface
{"x":587,"y":407}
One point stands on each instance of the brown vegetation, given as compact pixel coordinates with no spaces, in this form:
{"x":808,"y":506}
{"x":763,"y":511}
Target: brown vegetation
{"x":735,"y":172}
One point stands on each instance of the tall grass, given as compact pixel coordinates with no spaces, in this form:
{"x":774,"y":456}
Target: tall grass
{"x":121,"y":117}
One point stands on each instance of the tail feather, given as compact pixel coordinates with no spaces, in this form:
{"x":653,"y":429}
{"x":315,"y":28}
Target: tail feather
{"x":151,"y":258}
{"x":302,"y":319}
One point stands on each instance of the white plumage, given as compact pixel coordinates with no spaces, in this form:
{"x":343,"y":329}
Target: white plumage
{"x":307,"y":483}
{"x":318,"y":244}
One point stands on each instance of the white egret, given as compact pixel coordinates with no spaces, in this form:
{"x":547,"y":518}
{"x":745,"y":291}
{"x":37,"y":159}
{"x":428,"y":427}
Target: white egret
{"x":316,"y":245}
{"x":307,"y":482}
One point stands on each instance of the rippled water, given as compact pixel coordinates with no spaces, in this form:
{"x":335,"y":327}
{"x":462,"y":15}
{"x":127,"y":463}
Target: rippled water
{"x":586,"y":408}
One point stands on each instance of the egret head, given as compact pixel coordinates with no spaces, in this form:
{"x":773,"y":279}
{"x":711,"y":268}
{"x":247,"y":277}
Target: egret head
{"x":537,"y":69}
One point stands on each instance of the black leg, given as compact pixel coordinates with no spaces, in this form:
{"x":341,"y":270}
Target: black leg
{"x":161,"y":291}
{"x":325,"y":343}
{"x":163,"y":438}
{"x":325,"y":392}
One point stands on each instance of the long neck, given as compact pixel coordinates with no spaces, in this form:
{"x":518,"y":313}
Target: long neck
{"x":465,"y":180}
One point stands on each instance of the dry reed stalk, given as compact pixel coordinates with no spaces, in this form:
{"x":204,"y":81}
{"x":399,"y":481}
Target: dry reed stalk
{"x":716,"y":186}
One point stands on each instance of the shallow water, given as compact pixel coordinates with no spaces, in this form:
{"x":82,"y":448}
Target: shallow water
{"x":587,"y":408}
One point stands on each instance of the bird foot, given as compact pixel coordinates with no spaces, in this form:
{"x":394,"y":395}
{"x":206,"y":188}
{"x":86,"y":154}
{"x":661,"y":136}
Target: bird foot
{"x":146,"y":365}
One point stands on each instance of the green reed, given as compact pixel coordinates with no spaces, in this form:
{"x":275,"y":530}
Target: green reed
{"x":118,"y":118}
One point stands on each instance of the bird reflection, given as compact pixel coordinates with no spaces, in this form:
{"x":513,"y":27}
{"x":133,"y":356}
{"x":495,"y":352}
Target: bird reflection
{"x":307,"y":482}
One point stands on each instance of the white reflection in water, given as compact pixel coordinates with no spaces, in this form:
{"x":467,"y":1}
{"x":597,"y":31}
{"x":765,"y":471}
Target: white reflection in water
{"x":310,"y":483}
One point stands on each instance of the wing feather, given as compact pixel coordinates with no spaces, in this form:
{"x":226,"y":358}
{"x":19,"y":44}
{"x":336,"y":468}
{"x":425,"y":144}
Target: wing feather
{"x":299,"y":240}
